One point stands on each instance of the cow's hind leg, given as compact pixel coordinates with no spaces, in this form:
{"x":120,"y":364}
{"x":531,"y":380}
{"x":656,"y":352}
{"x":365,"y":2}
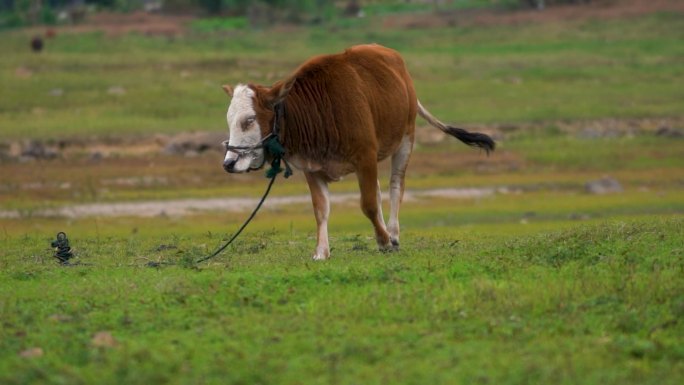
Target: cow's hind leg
{"x":367,"y":173}
{"x":400,"y":161}
{"x":321,"y":205}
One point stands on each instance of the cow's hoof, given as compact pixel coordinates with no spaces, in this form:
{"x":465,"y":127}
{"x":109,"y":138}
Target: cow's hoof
{"x":390,"y":247}
{"x":321,"y":255}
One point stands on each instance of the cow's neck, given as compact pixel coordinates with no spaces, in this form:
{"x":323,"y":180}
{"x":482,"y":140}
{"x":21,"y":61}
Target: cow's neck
{"x":308,"y":131}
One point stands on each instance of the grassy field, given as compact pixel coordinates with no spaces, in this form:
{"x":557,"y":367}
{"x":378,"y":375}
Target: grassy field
{"x":539,"y":282}
{"x":542,"y":72}
{"x":596,"y":303}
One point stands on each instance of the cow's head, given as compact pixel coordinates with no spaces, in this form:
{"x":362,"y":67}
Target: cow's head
{"x":250,"y":119}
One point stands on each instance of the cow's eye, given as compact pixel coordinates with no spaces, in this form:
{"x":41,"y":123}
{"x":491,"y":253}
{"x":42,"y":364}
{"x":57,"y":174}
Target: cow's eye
{"x":247,"y":123}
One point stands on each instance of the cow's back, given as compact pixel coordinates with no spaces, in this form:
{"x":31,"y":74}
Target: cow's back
{"x":389,"y":90}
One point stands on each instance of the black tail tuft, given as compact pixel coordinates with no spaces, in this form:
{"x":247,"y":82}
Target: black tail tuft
{"x":474,"y":139}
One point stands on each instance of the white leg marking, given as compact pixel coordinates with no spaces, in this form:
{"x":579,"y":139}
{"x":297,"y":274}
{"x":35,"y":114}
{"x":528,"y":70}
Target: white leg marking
{"x":320,"y":198}
{"x":399,"y":163}
{"x":381,"y":217}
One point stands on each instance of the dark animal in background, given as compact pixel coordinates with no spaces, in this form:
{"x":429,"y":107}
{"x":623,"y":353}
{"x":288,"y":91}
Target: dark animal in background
{"x":342,"y":113}
{"x":37,"y":44}
{"x":352,"y":9}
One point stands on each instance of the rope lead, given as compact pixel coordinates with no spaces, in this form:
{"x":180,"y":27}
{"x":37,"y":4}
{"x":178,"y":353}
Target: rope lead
{"x":249,"y":219}
{"x":271,"y":144}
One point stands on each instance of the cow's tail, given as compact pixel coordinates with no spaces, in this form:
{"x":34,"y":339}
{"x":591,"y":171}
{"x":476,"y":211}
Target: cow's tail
{"x":474,"y":139}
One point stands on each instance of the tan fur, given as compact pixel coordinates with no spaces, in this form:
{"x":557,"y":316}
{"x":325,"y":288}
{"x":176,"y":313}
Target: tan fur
{"x":338,"y":100}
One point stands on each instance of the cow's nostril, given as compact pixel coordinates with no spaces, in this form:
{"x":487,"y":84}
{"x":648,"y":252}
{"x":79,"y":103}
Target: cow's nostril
{"x":229,"y":165}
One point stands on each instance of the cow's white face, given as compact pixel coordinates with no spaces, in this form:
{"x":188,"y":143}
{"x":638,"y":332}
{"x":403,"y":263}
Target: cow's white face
{"x":244,"y":131}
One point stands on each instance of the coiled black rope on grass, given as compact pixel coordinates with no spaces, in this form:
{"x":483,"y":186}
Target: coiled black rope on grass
{"x":62,"y":249}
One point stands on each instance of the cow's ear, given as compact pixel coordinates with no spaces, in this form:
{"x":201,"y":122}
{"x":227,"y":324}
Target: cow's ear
{"x":228,"y":89}
{"x":281,"y":89}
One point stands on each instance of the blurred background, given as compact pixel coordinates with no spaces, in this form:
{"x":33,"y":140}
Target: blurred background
{"x":111,"y":111}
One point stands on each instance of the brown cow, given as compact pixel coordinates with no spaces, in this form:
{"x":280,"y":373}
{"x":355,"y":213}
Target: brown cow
{"x":343,"y":113}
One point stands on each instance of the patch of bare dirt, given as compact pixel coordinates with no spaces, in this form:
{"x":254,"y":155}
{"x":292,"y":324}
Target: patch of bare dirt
{"x":116,"y":24}
{"x":192,"y":144}
{"x":597,"y":10}
{"x":184,"y":207}
{"x":588,"y":129}
{"x":188,"y":144}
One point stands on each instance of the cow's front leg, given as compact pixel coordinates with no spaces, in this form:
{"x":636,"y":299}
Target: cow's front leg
{"x":399,"y":163}
{"x":367,"y":174}
{"x":321,"y":206}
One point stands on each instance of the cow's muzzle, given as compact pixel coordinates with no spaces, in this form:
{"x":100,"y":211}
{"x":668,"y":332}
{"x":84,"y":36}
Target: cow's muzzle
{"x":229,"y":165}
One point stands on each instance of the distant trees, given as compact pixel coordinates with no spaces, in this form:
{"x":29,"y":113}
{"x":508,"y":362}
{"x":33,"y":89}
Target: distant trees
{"x":541,"y":4}
{"x":209,"y":6}
{"x":243,"y":7}
{"x":14,"y":13}
{"x":22,"y":12}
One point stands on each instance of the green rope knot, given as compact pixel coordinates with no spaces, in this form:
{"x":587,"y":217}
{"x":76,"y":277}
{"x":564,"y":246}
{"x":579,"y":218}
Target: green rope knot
{"x":275,"y":148}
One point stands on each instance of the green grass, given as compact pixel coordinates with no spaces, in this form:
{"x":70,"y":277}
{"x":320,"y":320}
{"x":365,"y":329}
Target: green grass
{"x":547,"y":72}
{"x":548,"y":285}
{"x":592,"y":304}
{"x":397,"y":7}
{"x":216,"y":24}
